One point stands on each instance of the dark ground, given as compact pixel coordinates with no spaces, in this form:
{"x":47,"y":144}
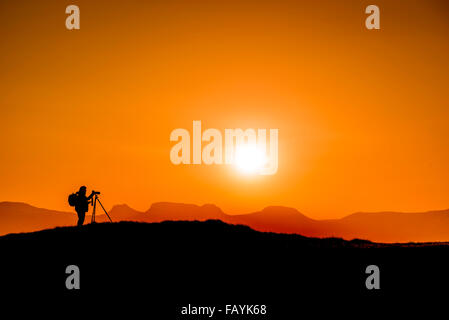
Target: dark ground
{"x":151,"y":270}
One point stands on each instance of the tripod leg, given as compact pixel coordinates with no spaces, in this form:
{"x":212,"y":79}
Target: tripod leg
{"x":104,"y":210}
{"x":93,"y":211}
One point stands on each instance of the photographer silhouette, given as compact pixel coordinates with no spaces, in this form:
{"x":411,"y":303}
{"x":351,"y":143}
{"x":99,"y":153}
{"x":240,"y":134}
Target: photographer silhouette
{"x":82,"y":204}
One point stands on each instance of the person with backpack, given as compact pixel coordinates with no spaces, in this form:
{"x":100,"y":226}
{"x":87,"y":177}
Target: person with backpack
{"x":81,"y":203}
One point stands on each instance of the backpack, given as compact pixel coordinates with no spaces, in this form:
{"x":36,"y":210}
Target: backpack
{"x":73,"y":199}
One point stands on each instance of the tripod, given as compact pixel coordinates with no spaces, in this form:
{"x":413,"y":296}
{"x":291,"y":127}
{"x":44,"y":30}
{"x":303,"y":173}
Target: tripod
{"x":95,"y":206}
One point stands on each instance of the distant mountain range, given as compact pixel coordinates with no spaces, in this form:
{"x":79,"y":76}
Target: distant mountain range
{"x":432,"y":226}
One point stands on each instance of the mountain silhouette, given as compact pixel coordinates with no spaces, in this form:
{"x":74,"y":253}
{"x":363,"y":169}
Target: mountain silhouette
{"x":389,"y":227}
{"x":281,"y":219}
{"x":21,"y":217}
{"x":161,"y":211}
{"x":121,"y":212}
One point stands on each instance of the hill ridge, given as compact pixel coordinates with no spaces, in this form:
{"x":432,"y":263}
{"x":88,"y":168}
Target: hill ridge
{"x":429,"y":226}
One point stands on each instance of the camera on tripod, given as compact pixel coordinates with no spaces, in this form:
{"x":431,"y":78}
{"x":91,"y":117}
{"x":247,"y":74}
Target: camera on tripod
{"x":94,"y":204}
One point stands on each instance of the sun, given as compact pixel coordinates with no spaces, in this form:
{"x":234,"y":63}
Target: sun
{"x":249,"y":158}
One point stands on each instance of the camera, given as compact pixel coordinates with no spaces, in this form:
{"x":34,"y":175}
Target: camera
{"x":95,"y":192}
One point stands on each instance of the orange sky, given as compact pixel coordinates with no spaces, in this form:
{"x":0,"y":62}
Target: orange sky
{"x":363,"y":116}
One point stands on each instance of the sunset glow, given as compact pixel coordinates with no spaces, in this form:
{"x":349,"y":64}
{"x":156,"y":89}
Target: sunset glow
{"x":362,"y":115}
{"x":249,"y":159}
